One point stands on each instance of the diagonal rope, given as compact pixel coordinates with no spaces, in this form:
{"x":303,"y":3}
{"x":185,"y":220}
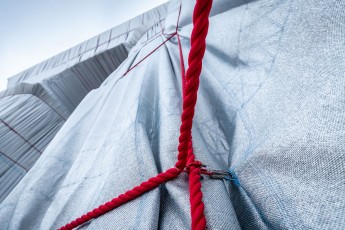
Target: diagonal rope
{"x":185,"y":148}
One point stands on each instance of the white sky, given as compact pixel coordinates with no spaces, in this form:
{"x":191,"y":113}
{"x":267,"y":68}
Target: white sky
{"x":34,"y":30}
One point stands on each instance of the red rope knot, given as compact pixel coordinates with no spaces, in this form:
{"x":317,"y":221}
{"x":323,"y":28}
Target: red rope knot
{"x":212,"y":173}
{"x":185,"y":156}
{"x":196,"y":164}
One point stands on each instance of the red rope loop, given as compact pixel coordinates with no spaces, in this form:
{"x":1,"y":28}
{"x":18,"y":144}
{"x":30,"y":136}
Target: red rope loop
{"x":185,"y":148}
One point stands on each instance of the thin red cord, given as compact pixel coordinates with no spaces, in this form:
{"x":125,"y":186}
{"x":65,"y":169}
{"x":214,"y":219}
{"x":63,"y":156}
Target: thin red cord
{"x":185,"y":149}
{"x":183,"y":72}
{"x":134,"y":66}
{"x":155,"y":49}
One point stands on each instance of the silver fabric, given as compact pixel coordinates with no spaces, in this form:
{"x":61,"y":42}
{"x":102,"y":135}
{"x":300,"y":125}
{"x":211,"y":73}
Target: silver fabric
{"x":270,"y":107}
{"x":40,"y":99}
{"x":70,"y":75}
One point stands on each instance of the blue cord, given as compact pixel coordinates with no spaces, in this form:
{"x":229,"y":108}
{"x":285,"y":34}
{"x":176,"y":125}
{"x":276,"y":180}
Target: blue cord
{"x":233,"y":177}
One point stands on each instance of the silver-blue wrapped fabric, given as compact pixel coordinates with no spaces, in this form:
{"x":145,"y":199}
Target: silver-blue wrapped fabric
{"x":271,"y":107}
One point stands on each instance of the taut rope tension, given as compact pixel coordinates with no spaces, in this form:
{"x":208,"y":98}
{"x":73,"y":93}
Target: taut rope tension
{"x":186,"y":158}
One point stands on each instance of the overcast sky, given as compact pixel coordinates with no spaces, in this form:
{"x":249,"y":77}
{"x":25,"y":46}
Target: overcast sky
{"x":34,"y":30}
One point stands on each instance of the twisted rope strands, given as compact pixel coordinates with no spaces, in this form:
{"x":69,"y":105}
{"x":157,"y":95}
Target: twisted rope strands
{"x":124,"y":198}
{"x":198,"y":46}
{"x":185,"y":149}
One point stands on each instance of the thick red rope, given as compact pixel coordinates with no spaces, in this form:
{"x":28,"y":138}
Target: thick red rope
{"x":185,"y":149}
{"x":124,"y":198}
